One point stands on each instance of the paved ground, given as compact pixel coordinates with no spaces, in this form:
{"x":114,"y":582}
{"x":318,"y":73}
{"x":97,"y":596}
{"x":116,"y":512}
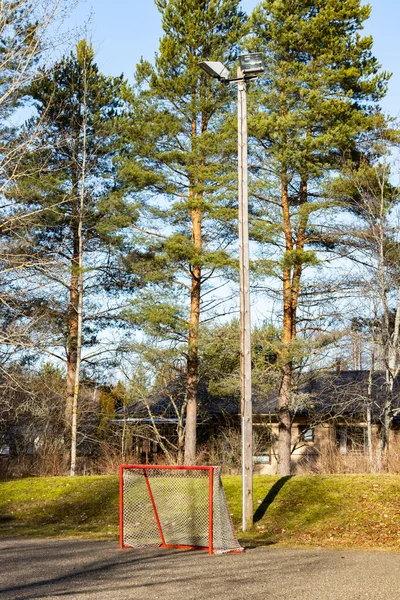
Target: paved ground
{"x":38,"y":568}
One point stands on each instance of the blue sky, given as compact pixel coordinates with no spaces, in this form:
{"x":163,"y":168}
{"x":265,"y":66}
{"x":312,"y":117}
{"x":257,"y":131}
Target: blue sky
{"x":124,"y":30}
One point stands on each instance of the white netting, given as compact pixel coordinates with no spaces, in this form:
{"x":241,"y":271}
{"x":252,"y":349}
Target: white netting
{"x":181,"y":501}
{"x":224,"y":536}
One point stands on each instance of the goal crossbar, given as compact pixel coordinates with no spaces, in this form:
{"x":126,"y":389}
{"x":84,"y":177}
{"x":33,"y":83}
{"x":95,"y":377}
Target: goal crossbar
{"x":171,"y":506}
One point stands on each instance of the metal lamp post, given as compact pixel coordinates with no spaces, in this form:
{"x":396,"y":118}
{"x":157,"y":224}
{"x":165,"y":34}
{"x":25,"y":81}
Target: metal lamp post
{"x":251,"y":65}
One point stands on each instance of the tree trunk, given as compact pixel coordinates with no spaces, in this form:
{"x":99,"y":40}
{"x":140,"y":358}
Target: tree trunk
{"x":194,"y":316}
{"x":291,"y":286}
{"x":285,"y":417}
{"x":78,"y":240}
{"x":181,"y":445}
{"x":72,"y":326}
{"x":369,"y":410}
{"x":123,"y":438}
{"x":369,"y":438}
{"x":193,"y":349}
{"x":285,"y":421}
{"x":74,"y":424}
{"x":386,"y":421}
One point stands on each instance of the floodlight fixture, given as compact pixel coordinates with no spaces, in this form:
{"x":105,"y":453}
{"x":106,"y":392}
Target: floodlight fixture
{"x":251,"y":64}
{"x":215,"y":69}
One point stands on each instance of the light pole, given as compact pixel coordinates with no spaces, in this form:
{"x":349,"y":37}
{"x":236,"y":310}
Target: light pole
{"x":251,"y":65}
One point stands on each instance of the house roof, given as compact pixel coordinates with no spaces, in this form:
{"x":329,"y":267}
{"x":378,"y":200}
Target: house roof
{"x":349,"y":392}
{"x":336,"y":393}
{"x":329,"y":394}
{"x":162,"y":403}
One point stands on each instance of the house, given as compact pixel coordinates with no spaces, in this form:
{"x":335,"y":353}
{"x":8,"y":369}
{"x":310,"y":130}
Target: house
{"x":331,"y":412}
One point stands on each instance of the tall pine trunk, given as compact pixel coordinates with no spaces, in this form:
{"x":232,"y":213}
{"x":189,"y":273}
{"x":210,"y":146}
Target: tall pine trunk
{"x":79,"y":267}
{"x":74,"y":423}
{"x":194,"y":319}
{"x":291,"y":277}
{"x":385,"y":424}
{"x":285,"y":416}
{"x":193,"y":347}
{"x":73,"y":308}
{"x":72,"y":324}
{"x":285,"y":419}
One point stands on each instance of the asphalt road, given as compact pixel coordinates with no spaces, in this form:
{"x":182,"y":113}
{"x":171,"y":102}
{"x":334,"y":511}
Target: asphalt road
{"x":44,"y":568}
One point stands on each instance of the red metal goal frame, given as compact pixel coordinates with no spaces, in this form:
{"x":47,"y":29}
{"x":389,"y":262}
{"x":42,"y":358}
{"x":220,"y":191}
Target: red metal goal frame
{"x":163,"y":544}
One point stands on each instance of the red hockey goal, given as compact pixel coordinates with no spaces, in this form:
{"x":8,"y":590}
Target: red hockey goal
{"x":175,"y":507}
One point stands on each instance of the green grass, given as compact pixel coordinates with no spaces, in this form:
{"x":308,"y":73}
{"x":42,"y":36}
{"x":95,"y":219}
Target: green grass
{"x":60,"y":506}
{"x":342,"y":511}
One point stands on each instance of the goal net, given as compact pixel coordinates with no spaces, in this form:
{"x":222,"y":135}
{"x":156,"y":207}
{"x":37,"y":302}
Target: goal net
{"x":175,"y":507}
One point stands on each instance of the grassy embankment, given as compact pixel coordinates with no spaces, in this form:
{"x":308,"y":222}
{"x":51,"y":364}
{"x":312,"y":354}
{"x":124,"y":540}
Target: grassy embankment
{"x":342,"y":511}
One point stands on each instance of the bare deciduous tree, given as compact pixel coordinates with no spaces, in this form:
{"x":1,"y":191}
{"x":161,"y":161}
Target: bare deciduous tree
{"x":375,"y":247}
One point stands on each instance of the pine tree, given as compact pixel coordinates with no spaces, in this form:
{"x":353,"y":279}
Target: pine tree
{"x":319,"y":96}
{"x":179,"y":118}
{"x":220,"y":359}
{"x":68,"y":213}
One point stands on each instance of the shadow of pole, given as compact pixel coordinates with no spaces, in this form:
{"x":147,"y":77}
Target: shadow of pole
{"x":270,"y":497}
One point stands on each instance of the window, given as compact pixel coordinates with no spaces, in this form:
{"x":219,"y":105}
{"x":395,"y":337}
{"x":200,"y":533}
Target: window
{"x":4,"y":449}
{"x":357,"y":440}
{"x":262,"y":459}
{"x":306,"y":433}
{"x":352,"y":440}
{"x":261,"y":445}
{"x":341,"y":439}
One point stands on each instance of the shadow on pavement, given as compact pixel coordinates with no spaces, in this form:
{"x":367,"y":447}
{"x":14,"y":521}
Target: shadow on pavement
{"x":95,"y":575}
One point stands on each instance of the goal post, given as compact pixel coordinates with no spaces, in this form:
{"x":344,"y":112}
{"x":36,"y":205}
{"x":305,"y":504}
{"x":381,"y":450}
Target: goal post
{"x":172,"y":506}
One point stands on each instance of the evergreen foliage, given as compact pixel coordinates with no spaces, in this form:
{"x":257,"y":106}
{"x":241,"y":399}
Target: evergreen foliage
{"x":319,"y":98}
{"x":179,"y":117}
{"x":220,"y":359}
{"x":72,"y":153}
